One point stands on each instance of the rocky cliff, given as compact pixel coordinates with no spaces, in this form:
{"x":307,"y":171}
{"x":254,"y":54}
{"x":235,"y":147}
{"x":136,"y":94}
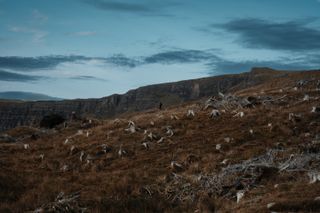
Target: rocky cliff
{"x":14,"y":114}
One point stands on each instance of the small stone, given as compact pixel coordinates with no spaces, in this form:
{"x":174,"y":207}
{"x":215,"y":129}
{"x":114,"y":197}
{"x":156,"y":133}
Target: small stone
{"x":315,"y":110}
{"x":306,"y":98}
{"x":270,"y":205}
{"x":240,"y":195}
{"x":218,"y":146}
{"x":225,"y":161}
{"x":227,"y":140}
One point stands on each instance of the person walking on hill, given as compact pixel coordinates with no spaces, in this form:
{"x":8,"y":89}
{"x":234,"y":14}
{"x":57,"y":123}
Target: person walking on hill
{"x":160,"y":106}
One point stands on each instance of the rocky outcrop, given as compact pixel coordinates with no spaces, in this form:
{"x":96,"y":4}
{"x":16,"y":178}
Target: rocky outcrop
{"x":14,"y":114}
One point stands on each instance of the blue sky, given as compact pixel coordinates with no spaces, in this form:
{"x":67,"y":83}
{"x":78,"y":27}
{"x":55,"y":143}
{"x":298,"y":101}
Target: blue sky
{"x":94,"y":48}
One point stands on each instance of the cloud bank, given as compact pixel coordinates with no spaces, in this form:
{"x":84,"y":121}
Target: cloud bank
{"x":209,"y":61}
{"x":10,"y":76}
{"x":259,"y":33}
{"x":145,"y":8}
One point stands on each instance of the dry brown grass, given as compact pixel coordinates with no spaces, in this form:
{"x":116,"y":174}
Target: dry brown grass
{"x":137,"y":182}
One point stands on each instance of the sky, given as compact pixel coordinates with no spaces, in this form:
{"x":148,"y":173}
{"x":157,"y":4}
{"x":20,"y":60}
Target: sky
{"x":95,"y":48}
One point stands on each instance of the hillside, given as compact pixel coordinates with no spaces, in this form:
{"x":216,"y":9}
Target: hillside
{"x":148,"y":97}
{"x":258,"y":152}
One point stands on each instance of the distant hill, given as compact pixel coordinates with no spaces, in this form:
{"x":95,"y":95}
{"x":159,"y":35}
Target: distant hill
{"x":26,"y":96}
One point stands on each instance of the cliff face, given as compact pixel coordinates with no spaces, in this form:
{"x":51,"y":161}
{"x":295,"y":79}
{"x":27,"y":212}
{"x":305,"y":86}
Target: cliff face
{"x":14,"y":114}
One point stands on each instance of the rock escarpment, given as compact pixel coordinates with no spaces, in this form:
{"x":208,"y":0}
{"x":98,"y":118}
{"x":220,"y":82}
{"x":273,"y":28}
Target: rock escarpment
{"x":13,"y":114}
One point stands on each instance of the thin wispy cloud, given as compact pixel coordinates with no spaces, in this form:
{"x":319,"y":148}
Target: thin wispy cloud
{"x":50,"y":62}
{"x":154,"y":8}
{"x":11,"y":76}
{"x":37,"y":35}
{"x":83,"y":33}
{"x":36,"y":63}
{"x":37,"y":15}
{"x":118,"y":6}
{"x":179,"y":56}
{"x":122,"y":61}
{"x":259,"y":33}
{"x":87,"y":78}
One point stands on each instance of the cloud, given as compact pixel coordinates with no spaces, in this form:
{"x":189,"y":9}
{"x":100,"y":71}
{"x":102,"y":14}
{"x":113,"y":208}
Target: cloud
{"x":212,"y":61}
{"x":86,"y":77}
{"x":50,"y":62}
{"x":37,"y":15}
{"x":83,"y":33}
{"x":122,"y":61}
{"x":179,"y":56}
{"x":10,"y":76}
{"x":227,"y":66}
{"x":259,"y":33}
{"x":38,"y":35}
{"x":216,"y":64}
{"x":36,"y":63}
{"x":118,"y":6}
{"x":147,"y":8}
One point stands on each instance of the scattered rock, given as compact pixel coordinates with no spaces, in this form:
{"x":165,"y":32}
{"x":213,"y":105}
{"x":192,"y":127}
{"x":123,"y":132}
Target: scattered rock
{"x":225,"y":161}
{"x":176,"y":167}
{"x":82,"y":154}
{"x":218,"y":147}
{"x":190,"y":113}
{"x":145,"y":145}
{"x":270,"y":205}
{"x":121,"y":152}
{"x":215,"y":113}
{"x":239,"y":114}
{"x":64,"y":168}
{"x":294,"y":117}
{"x":240,"y":195}
{"x":227,"y":139}
{"x":315,"y":109}
{"x":306,"y":98}
{"x":161,"y":140}
{"x":314,"y":177}
{"x":174,"y":117}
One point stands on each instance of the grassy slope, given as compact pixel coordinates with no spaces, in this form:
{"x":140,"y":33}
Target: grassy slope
{"x":118,"y":184}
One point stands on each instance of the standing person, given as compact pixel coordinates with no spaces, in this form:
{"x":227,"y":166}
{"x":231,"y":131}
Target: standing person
{"x":160,"y":106}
